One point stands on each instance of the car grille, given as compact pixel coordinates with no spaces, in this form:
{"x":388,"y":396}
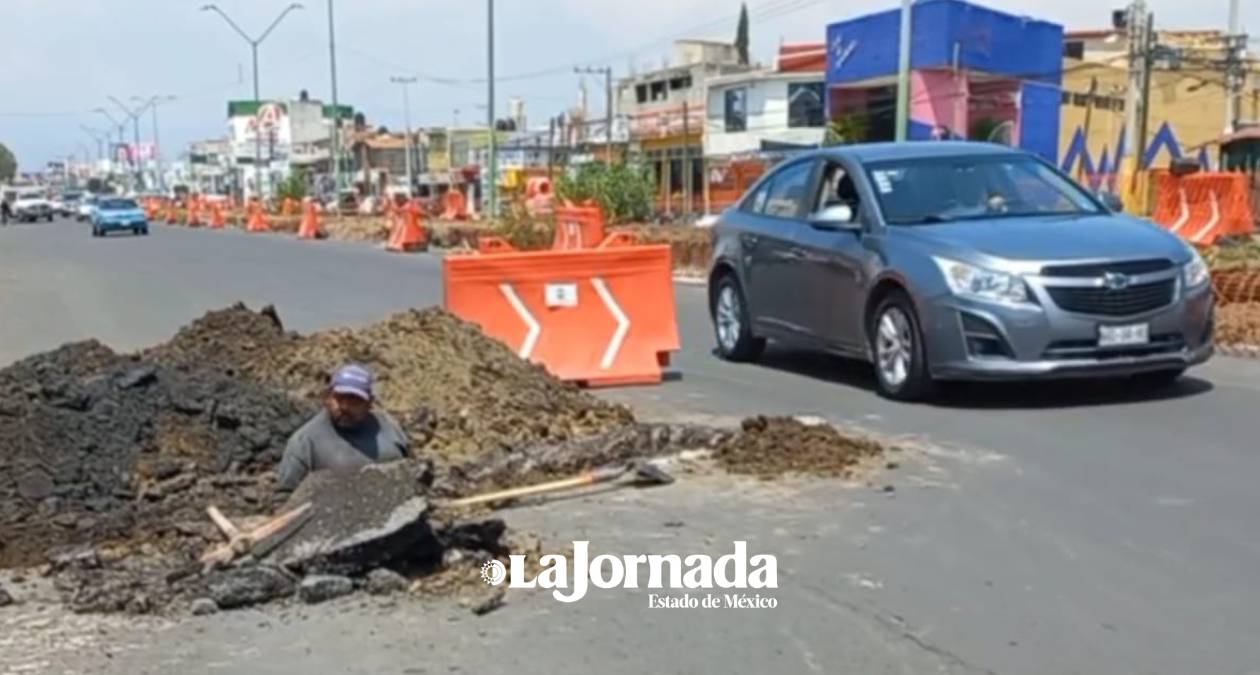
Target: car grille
{"x":1119,"y":302}
{"x":1127,"y":267}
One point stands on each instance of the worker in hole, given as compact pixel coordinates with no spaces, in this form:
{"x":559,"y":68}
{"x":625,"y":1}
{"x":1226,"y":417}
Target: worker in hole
{"x":347,"y":434}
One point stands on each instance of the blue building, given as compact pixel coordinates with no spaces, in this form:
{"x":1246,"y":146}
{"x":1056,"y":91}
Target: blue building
{"x":975,"y":73}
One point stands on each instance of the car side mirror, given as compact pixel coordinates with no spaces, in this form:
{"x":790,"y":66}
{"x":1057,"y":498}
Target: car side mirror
{"x":834,"y":218}
{"x":1112,"y":201}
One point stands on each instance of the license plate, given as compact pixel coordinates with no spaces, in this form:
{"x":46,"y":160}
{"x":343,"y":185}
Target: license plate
{"x":1119,"y":336}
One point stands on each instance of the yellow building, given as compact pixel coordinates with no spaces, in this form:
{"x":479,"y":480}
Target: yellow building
{"x":1187,"y":99}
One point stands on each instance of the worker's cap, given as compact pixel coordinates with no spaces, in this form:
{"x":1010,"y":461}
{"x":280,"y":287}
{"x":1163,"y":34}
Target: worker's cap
{"x":354,"y":380}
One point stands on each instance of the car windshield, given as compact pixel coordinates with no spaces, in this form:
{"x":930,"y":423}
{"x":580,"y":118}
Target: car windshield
{"x":939,"y":190}
{"x":118,"y":204}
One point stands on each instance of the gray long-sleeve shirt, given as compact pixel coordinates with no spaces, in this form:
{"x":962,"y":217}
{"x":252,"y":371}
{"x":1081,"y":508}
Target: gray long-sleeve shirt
{"x":320,"y":445}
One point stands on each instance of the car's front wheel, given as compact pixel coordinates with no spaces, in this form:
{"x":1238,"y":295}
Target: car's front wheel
{"x":731,"y":325}
{"x":901,"y":369}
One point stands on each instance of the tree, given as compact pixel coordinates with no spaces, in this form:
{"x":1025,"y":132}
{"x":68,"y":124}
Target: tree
{"x":8,"y":164}
{"x":741,"y":34}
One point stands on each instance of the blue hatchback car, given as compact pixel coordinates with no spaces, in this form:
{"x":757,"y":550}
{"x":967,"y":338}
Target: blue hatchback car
{"x":118,"y":213}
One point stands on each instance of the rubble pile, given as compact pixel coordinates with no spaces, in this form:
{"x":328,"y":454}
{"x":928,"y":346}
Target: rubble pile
{"x":773,"y":446}
{"x":456,"y":392}
{"x":97,"y":447}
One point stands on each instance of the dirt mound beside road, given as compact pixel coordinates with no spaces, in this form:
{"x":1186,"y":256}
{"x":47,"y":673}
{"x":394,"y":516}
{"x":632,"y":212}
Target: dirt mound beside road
{"x":457,"y":392}
{"x":773,"y":446}
{"x":130,"y":452}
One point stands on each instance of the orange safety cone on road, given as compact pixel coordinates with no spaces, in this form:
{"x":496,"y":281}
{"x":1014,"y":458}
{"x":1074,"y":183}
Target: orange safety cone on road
{"x":194,"y":212}
{"x":408,"y":234}
{"x":258,"y":221}
{"x":172,"y":213}
{"x":151,"y":208}
{"x":455,"y":206}
{"x":310,"y":228}
{"x":217,"y":220}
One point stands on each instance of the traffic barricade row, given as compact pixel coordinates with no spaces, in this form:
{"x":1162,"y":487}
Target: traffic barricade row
{"x":1205,"y":207}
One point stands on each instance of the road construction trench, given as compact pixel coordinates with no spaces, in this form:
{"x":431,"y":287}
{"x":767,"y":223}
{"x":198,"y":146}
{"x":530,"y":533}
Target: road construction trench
{"x":109,"y":461}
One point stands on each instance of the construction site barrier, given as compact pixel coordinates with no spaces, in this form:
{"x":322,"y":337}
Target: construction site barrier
{"x":193,"y":216}
{"x":310,"y":227}
{"x":217,"y":221}
{"x":408,"y":233}
{"x":598,"y":316}
{"x":258,"y":221}
{"x":152,"y":208}
{"x":1204,"y":207}
{"x":172,"y":213}
{"x":578,"y":227}
{"x":454,"y":205}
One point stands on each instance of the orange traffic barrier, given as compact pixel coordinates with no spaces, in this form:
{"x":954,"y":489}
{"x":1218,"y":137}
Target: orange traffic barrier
{"x":151,"y":208}
{"x":597,"y":316}
{"x":193,"y":217}
{"x":1204,"y":207}
{"x":310,"y":228}
{"x":172,"y":213}
{"x":578,"y":226}
{"x":408,"y":233}
{"x":258,"y":221}
{"x":454,"y":205}
{"x":217,"y":221}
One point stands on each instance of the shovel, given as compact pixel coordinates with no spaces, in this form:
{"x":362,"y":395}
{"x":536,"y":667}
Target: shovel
{"x":644,"y":474}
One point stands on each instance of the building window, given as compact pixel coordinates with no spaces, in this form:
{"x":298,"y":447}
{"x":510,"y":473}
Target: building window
{"x":659,"y":92}
{"x":683,"y":82}
{"x":736,"y":109}
{"x":805,"y":104}
{"x":640,"y":93}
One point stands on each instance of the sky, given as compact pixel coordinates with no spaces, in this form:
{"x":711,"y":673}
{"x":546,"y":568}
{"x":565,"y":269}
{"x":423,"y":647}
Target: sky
{"x":61,"y":59}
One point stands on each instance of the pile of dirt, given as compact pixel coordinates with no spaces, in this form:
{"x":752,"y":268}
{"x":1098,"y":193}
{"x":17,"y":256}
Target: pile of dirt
{"x":1238,"y":324}
{"x":457,"y":392}
{"x":773,"y":446}
{"x":226,"y":340}
{"x":96,"y":447}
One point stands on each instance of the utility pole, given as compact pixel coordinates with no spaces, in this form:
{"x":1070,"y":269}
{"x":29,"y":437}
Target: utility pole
{"x":1134,"y":25}
{"x":903,"y":70}
{"x":608,"y":104}
{"x":253,"y":46}
{"x":551,"y":149}
{"x":686,"y":161}
{"x":135,"y":148}
{"x":1234,"y":74}
{"x":1148,"y":51}
{"x":1089,"y":113}
{"x":406,"y":83}
{"x":492,"y":182}
{"x":334,"y":152}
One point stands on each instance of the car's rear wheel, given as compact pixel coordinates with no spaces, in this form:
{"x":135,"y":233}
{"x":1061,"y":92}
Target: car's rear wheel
{"x":731,"y":324}
{"x":901,"y":369}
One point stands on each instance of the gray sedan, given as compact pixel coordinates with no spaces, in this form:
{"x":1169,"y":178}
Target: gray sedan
{"x":954,"y":261}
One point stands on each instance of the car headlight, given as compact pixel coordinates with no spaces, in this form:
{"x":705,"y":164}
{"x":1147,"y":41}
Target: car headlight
{"x":1195,"y":273}
{"x":983,"y":284}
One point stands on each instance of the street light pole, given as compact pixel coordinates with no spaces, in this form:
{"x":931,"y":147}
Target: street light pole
{"x":334,"y":152}
{"x":406,"y":83}
{"x":253,"y":45}
{"x":116,"y":125}
{"x":134,"y":155}
{"x":493,"y":180}
{"x":903,"y":70}
{"x":153,"y":102}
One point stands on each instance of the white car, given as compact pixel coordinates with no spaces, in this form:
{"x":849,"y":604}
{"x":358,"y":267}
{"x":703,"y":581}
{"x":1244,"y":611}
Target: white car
{"x":31,"y":206}
{"x":85,"y":207}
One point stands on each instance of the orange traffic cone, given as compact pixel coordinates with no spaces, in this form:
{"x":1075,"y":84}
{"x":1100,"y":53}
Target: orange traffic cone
{"x":194,"y":212}
{"x":172,"y":213}
{"x":408,"y":234}
{"x":310,"y":228}
{"x":258,"y":221}
{"x":216,"y":216}
{"x":151,"y":208}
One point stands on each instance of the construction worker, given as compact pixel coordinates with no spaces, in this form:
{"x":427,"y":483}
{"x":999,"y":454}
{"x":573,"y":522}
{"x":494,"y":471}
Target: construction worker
{"x":347,"y":434}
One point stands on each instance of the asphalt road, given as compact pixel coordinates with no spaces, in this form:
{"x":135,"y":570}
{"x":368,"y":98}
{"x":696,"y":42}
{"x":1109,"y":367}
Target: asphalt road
{"x":1068,"y":528}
